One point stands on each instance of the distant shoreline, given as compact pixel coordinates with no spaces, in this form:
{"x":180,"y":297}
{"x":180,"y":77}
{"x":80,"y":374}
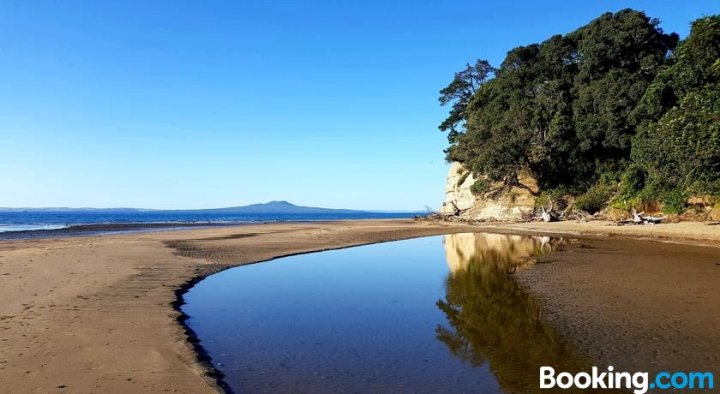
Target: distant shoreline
{"x":44,"y":224}
{"x":82,"y":230}
{"x":78,"y":230}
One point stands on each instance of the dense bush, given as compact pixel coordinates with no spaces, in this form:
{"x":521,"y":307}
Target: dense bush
{"x":681,"y":147}
{"x":615,"y":100}
{"x":595,"y":199}
{"x":633,"y":181}
{"x":479,"y":187}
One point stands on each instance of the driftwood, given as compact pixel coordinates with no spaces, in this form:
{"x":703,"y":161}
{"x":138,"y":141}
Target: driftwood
{"x":581,"y":216}
{"x":455,"y":208}
{"x":547,"y":216}
{"x":640,"y":218}
{"x":455,"y":215}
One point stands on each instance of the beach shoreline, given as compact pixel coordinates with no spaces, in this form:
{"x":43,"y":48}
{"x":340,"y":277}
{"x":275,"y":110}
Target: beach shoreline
{"x":100,"y":313}
{"x":88,"y":230}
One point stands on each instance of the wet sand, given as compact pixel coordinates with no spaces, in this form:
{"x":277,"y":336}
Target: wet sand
{"x":641,"y":298}
{"x":635,"y":305}
{"x":95,"y":314}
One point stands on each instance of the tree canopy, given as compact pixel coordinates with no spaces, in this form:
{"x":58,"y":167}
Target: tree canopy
{"x":678,"y":141}
{"x":583,"y":108}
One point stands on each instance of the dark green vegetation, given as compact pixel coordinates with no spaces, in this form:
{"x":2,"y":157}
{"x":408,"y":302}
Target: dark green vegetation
{"x":616,"y":111}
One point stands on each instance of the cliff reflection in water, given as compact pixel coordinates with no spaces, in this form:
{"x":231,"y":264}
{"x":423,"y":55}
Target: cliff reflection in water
{"x":491,"y":317}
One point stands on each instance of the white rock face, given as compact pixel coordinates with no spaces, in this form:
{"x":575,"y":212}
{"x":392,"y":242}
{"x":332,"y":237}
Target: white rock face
{"x":457,"y":190}
{"x":508,"y":205}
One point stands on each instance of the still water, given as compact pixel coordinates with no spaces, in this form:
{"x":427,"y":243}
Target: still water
{"x":437,"y":314}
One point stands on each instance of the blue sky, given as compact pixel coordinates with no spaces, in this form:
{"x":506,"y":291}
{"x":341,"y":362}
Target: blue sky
{"x":179,"y":104}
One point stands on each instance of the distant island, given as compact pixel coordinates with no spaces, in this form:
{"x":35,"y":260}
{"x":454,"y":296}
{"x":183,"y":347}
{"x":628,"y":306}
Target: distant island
{"x":279,"y":207}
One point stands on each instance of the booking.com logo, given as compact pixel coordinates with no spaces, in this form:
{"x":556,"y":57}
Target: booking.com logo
{"x":638,"y":381}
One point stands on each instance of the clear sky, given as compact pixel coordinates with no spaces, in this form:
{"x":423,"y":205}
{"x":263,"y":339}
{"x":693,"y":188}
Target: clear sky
{"x":198,"y":104}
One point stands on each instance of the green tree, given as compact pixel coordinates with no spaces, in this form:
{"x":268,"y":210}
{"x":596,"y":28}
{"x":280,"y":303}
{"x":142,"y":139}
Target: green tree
{"x":689,"y":68}
{"x":679,"y":139}
{"x":459,"y":92}
{"x":559,"y":110}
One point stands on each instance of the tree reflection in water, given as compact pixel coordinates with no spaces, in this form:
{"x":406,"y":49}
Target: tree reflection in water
{"x":492,"y":318}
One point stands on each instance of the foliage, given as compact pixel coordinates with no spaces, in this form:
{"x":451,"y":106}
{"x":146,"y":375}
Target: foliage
{"x":617,"y":100}
{"x":595,"y":199}
{"x":479,"y":187}
{"x":673,"y":201}
{"x":551,"y":199}
{"x":681,"y":148}
{"x":463,"y":177}
{"x":692,"y":66}
{"x":633,"y":181}
{"x":459,"y":92}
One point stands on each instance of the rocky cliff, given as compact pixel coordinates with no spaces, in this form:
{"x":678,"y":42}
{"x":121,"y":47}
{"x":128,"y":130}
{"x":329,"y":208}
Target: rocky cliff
{"x":502,"y":204}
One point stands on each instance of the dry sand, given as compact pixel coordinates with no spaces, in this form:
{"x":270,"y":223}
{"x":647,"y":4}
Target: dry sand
{"x":95,"y":314}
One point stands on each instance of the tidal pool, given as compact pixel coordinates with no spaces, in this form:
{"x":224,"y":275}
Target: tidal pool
{"x":436,"y":314}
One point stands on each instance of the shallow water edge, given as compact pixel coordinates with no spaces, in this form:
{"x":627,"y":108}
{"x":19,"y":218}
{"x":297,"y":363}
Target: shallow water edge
{"x":455,"y":265}
{"x":678,"y":234}
{"x":212,"y":374}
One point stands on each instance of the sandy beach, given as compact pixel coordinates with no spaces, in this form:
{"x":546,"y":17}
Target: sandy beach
{"x":96,"y":314}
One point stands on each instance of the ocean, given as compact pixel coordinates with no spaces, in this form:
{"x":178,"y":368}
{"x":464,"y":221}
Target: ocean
{"x":21,"y":224}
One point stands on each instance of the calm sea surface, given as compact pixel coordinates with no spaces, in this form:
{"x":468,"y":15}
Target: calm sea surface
{"x":30,"y":221}
{"x":437,"y":314}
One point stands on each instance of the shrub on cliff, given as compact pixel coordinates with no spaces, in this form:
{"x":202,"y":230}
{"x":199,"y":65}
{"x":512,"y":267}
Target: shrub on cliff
{"x":479,"y":187}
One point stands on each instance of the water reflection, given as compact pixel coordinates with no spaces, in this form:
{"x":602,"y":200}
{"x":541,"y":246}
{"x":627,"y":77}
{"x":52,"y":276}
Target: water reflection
{"x":491,"y":318}
{"x":368,"y":319}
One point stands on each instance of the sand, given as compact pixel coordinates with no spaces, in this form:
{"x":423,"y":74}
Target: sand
{"x":638,"y":306}
{"x":96,"y":314}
